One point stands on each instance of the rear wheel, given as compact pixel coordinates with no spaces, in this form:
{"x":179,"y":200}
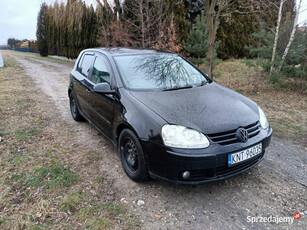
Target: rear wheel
{"x":74,"y":109}
{"x":132,"y":156}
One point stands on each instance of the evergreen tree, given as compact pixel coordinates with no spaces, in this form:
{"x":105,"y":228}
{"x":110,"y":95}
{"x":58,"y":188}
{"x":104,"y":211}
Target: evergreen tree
{"x":263,"y":44}
{"x":296,"y":62}
{"x":12,"y":42}
{"x":104,"y":19}
{"x":234,"y":33}
{"x":41,"y":32}
{"x":194,"y":8}
{"x":62,"y":43}
{"x":262,"y":49}
{"x":177,"y":15}
{"x":51,"y":30}
{"x":197,"y":45}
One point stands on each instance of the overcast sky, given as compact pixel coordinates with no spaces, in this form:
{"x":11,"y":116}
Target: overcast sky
{"x":18,"y":18}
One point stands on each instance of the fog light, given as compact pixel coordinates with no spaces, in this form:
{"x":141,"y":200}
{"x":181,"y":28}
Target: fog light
{"x":186,"y":175}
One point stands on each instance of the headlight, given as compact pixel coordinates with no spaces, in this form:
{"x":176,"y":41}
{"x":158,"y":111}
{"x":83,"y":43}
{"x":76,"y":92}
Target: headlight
{"x":263,"y":121}
{"x":181,"y":137}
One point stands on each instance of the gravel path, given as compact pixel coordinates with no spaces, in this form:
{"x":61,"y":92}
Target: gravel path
{"x":276,"y":187}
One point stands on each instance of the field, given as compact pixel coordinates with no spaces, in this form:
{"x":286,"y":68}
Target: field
{"x":284,"y":102}
{"x":59,"y":174}
{"x":41,"y":184}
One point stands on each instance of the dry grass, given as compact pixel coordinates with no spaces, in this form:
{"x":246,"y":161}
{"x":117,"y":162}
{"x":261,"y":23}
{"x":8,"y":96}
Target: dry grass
{"x":34,"y":56}
{"x":284,"y":102}
{"x":45,"y":181}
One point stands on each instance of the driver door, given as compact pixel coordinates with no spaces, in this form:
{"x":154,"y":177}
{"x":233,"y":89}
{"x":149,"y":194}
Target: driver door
{"x":102,"y":104}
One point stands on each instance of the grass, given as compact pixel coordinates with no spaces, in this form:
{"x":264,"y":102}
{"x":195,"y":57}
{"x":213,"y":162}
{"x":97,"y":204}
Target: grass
{"x":105,"y":215}
{"x":99,"y":179}
{"x":3,"y":133}
{"x":21,"y":135}
{"x":46,"y":183}
{"x":71,"y":202}
{"x":44,"y":180}
{"x":283,"y":102}
{"x":54,"y":176}
{"x":32,"y":56}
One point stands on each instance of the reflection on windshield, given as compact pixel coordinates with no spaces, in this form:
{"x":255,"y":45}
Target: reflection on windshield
{"x":165,"y":71}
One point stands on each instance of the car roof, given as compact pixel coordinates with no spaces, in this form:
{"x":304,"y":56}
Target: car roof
{"x":114,"y":51}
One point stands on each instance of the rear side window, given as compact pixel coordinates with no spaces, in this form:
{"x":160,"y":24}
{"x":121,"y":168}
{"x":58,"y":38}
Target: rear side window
{"x":85,"y":64}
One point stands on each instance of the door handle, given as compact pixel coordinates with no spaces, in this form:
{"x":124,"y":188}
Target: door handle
{"x":88,"y":91}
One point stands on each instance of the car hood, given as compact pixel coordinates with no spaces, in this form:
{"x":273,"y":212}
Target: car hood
{"x":211,"y":108}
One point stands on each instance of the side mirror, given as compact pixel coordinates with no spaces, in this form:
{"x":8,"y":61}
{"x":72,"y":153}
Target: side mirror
{"x":104,"y":88}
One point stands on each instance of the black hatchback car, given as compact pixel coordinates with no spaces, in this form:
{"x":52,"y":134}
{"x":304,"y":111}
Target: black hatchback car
{"x":168,"y":119}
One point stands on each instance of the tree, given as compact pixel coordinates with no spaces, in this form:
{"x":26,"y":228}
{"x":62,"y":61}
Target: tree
{"x":120,"y":35}
{"x":167,"y":39}
{"x":235,"y":30}
{"x":105,"y":19}
{"x":194,"y":8}
{"x":276,"y":34}
{"x":295,"y":64}
{"x":197,"y":45}
{"x":291,"y":36}
{"x":142,"y":18}
{"x":177,"y":14}
{"x":170,"y":29}
{"x":41,"y":32}
{"x":262,"y":49}
{"x":156,"y":23}
{"x":12,"y":42}
{"x":214,"y":9}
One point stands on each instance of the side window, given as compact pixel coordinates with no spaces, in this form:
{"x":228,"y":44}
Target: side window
{"x":100,"y":72}
{"x":85,"y":64}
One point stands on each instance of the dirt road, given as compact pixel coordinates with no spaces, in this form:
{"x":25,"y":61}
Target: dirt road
{"x":277,"y":187}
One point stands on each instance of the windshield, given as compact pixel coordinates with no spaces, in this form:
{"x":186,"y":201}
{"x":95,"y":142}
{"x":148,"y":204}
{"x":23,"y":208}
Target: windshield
{"x":158,"y":72}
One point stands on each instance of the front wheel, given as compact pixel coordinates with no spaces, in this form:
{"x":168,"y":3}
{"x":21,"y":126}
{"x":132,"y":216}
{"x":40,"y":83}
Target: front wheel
{"x":132,"y":156}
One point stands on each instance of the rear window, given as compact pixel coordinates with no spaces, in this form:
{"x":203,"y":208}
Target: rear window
{"x":85,"y":64}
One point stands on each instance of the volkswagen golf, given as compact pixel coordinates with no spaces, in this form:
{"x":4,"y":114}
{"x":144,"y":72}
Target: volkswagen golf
{"x":168,"y":119}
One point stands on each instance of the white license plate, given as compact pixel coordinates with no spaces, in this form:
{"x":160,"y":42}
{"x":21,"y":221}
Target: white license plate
{"x":243,"y":155}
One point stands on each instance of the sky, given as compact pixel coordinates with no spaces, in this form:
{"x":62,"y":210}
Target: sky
{"x":18,"y":18}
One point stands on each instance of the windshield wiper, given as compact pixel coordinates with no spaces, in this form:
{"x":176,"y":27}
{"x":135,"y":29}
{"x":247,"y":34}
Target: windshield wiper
{"x":203,"y":83}
{"x":176,"y":88}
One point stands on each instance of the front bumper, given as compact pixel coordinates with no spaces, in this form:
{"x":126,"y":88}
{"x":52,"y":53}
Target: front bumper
{"x":204,"y":165}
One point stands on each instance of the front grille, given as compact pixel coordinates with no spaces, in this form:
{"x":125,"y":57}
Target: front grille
{"x":229,"y":137}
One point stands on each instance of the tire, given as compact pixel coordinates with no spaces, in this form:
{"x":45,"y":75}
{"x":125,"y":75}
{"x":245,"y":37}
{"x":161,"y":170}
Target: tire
{"x":132,"y":156}
{"x":74,"y":108}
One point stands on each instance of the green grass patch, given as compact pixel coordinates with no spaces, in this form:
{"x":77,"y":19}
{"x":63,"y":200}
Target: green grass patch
{"x":3,"y":133}
{"x":21,"y":135}
{"x":54,"y":176}
{"x":105,"y":215}
{"x":99,"y":179}
{"x":71,"y":202}
{"x":107,"y":208}
{"x":100,"y":222}
{"x":40,"y":227}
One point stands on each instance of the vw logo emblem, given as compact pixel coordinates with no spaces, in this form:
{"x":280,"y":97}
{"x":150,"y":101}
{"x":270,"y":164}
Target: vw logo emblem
{"x":242,"y":134}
